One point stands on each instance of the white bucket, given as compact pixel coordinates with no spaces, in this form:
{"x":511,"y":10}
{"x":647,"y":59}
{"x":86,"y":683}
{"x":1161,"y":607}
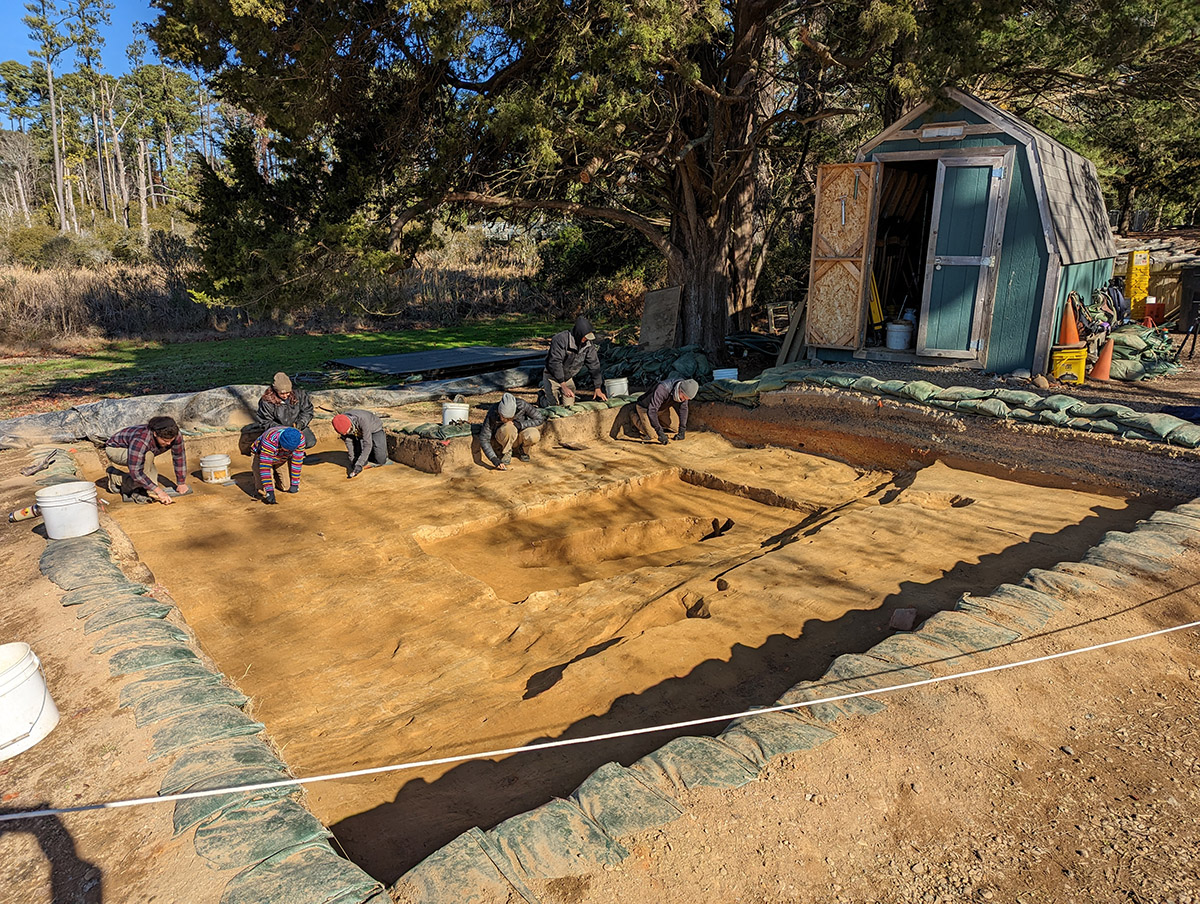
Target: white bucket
{"x":27,"y":712}
{"x":899,"y":335}
{"x":69,"y":509}
{"x":618,"y":386}
{"x":215,"y":468}
{"x":725,"y":373}
{"x":454,"y":411}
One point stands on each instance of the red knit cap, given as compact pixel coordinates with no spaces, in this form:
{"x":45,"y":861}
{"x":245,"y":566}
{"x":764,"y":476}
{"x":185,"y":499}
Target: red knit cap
{"x":342,"y":424}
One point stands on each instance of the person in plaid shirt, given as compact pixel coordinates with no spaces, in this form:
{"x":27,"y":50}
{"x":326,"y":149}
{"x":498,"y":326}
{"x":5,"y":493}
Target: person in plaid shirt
{"x":135,"y":448}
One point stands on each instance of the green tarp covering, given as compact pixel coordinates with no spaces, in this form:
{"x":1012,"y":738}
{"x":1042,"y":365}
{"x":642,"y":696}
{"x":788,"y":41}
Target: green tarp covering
{"x":556,"y":840}
{"x":202,"y":726}
{"x":177,"y":699}
{"x":237,"y":761}
{"x":621,"y":803}
{"x":310,"y":874}
{"x":245,"y":835}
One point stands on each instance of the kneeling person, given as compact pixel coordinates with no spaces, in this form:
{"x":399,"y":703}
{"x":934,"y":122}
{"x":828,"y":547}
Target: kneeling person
{"x":277,"y":446}
{"x":513,"y":423}
{"x":366,"y":443}
{"x":135,"y":448}
{"x":667,"y":394}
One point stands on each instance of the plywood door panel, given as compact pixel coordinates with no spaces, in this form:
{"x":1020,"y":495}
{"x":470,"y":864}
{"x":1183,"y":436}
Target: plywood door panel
{"x":843,"y":228}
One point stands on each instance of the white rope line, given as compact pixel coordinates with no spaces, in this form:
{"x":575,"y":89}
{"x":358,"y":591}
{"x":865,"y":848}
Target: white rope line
{"x":570,"y":742}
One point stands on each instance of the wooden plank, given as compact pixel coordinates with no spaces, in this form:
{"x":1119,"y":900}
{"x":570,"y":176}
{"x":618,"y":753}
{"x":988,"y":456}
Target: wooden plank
{"x":843,"y":226}
{"x":660,"y":316}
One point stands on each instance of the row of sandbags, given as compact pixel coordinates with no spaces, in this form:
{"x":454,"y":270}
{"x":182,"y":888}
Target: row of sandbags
{"x":1004,"y":404}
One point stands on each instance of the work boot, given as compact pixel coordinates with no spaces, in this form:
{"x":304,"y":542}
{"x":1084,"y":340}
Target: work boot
{"x":115,"y":482}
{"x":506,"y":460}
{"x":522,"y":455}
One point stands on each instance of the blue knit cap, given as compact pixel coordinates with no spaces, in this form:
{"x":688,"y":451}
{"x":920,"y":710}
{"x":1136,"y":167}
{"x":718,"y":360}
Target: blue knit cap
{"x":291,"y":439}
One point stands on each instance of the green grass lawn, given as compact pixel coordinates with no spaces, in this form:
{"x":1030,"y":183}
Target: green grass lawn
{"x":124,"y":368}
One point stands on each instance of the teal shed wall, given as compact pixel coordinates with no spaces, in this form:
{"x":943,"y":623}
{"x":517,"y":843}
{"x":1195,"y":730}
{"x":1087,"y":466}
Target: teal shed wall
{"x":1083,"y":278}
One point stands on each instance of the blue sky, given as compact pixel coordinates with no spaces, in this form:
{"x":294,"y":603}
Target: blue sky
{"x":15,"y":43}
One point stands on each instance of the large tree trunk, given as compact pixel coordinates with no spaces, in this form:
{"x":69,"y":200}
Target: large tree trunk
{"x":122,"y":181}
{"x":21,"y":197}
{"x":99,"y":153}
{"x":703,"y":274}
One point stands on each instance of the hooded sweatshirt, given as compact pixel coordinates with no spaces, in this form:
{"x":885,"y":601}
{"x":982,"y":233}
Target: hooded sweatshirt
{"x":293,"y":410}
{"x":663,"y":396}
{"x":569,"y":353}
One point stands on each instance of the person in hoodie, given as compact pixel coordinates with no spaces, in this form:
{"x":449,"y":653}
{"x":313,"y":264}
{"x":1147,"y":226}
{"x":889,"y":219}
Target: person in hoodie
{"x":285,"y":405}
{"x":512,"y":423}
{"x":667,"y":394}
{"x":571,"y":351}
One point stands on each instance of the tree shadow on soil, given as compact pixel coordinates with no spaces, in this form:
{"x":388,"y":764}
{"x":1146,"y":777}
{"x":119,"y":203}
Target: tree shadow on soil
{"x":71,"y":877}
{"x":389,"y":839}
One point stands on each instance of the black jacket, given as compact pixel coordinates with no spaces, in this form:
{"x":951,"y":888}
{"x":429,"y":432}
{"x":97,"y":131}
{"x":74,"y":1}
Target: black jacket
{"x":527,"y":416}
{"x":294,"y":411}
{"x":569,"y":354}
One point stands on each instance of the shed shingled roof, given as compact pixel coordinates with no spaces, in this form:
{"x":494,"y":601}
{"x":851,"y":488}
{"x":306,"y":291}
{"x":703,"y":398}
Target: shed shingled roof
{"x":1072,"y":187}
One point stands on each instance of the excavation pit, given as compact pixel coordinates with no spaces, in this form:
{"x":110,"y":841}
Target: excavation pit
{"x":404,"y":616}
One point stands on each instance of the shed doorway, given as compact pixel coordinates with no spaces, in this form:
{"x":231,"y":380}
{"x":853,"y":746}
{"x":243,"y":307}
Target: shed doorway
{"x":937,"y":246}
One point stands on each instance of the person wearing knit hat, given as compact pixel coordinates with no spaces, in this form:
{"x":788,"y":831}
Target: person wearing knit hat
{"x":570,"y":351}
{"x":286,"y":405}
{"x":514,"y":424}
{"x":670,"y":393}
{"x":277,"y":446}
{"x":366,"y":443}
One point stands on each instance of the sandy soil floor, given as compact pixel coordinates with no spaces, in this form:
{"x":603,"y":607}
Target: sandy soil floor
{"x":95,"y":753}
{"x":1073,"y":781}
{"x":364,"y":620}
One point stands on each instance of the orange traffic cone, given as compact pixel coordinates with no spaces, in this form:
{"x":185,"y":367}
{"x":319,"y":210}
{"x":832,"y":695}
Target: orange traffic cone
{"x":1068,"y":333}
{"x":1100,"y":370}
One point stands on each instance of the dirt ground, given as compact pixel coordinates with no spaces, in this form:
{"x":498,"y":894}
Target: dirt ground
{"x":1076,"y":780}
{"x":363,"y":617}
{"x":95,"y":753}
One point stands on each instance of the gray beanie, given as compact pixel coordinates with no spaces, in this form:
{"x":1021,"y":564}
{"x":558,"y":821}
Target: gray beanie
{"x":687,"y":388}
{"x":508,"y":405}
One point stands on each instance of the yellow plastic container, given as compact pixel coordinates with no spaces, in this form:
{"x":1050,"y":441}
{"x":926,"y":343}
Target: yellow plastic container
{"x":1068,"y":361}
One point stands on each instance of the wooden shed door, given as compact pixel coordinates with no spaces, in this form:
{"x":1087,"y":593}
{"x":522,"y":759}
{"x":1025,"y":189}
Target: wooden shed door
{"x":842,"y":232}
{"x":969,"y":200}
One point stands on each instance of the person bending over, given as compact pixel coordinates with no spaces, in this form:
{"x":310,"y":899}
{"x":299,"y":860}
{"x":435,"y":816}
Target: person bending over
{"x":135,"y":448}
{"x":514,"y":424}
{"x":570,"y":351}
{"x":667,"y":394}
{"x":277,"y":446}
{"x":285,"y":405}
{"x":366,"y":443}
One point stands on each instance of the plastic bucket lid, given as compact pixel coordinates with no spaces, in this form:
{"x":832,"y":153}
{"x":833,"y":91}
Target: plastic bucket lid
{"x":214,"y":461}
{"x":66,"y":494}
{"x":616,"y":386}
{"x":16,"y":663}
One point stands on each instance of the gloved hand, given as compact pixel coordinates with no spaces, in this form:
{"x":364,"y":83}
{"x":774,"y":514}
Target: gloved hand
{"x":680,"y":435}
{"x":354,"y":472}
{"x":269,"y":499}
{"x":294,"y":488}
{"x":662,"y":438}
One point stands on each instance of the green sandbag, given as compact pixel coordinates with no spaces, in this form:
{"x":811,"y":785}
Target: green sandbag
{"x":1099,"y":425}
{"x":1054,"y":418}
{"x":1061,"y":403}
{"x":994,"y":408}
{"x":556,"y":411}
{"x":452,"y":431}
{"x":556,"y":840}
{"x":961,"y":393}
{"x":1159,"y":425}
{"x":227,"y":763}
{"x":1059,"y":585}
{"x":1017,"y":398}
{"x":847,"y":674}
{"x":1028,"y":598}
{"x":621,"y":803}
{"x":72,"y":565}
{"x":172,"y":701}
{"x":1141,"y":544}
{"x":470,"y":869}
{"x":309,"y":874}
{"x":1103,"y":410}
{"x":918,"y":390}
{"x":201,"y":727}
{"x":245,"y":835}
{"x":892,"y":387}
{"x":761,"y":737}
{"x":194,"y":810}
{"x":1101,"y":574}
{"x":695,"y":762}
{"x":867,"y":384}
{"x":139,"y":631}
{"x":109,"y":592}
{"x":1020,"y":619}
{"x":145,"y":607}
{"x":910,"y":649}
{"x":842,"y":381}
{"x":1186,"y":435}
{"x":155,"y":680}
{"x":968,"y":633}
{"x":1120,"y":560}
{"x":150,"y":656}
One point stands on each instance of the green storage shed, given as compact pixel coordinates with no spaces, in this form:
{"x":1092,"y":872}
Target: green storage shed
{"x":968,"y":218}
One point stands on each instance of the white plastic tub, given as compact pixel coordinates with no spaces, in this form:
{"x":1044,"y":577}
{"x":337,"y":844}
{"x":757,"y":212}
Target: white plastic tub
{"x":27,"y":711}
{"x":215,"y":468}
{"x":618,"y":386}
{"x":725,"y":373}
{"x":899,"y":335}
{"x":69,"y":509}
{"x":454,"y":411}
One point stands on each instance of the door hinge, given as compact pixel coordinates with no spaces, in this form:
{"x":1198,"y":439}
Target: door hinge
{"x":976,"y":344}
{"x":988,"y":261}
{"x":997,"y":172}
